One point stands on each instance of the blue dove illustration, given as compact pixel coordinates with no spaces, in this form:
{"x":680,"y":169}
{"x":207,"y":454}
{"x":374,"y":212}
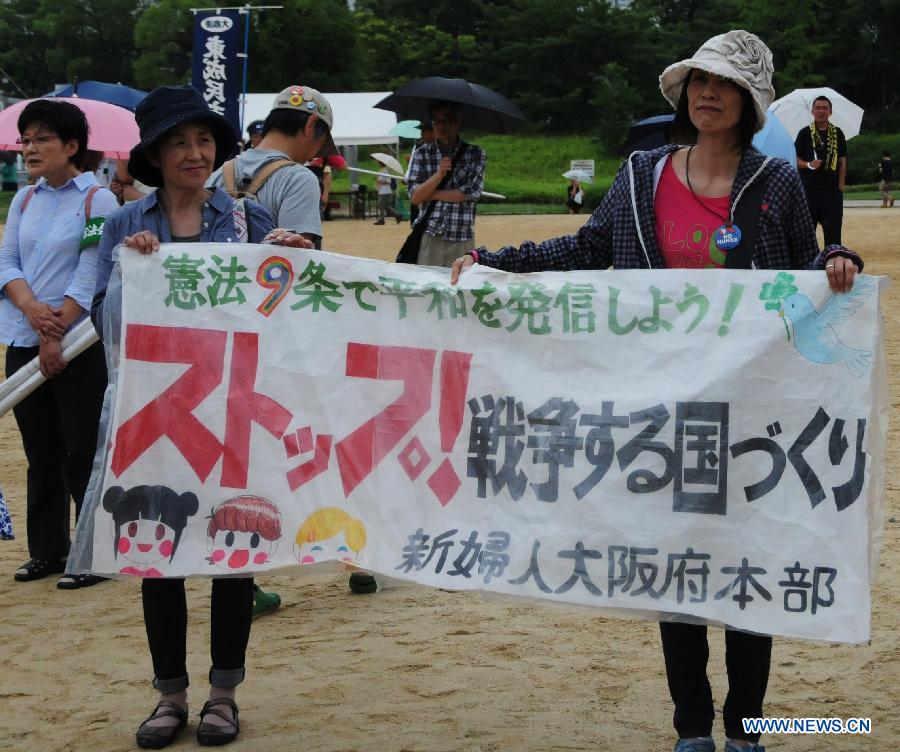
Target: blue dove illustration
{"x":814,"y":331}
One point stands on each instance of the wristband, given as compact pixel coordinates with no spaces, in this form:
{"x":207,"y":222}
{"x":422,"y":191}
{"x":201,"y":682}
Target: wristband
{"x":809,"y":166}
{"x":474,"y":254}
{"x":838,"y":250}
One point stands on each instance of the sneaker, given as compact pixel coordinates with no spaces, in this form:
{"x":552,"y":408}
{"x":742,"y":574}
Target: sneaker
{"x":696,"y":744}
{"x":730,"y":746}
{"x":36,"y":569}
{"x":379,"y":222}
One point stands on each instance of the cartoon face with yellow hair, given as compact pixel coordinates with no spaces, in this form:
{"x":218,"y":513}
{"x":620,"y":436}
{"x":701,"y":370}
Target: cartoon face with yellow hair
{"x":329,"y":534}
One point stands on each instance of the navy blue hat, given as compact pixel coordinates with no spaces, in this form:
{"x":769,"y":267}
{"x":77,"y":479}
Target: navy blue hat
{"x":255,"y":127}
{"x":166,"y":108}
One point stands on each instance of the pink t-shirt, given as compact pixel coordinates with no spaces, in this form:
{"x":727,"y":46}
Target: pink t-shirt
{"x":685,"y":228}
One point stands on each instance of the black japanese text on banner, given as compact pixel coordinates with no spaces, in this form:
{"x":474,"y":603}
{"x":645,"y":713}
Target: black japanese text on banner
{"x":217,"y":70}
{"x":697,"y":443}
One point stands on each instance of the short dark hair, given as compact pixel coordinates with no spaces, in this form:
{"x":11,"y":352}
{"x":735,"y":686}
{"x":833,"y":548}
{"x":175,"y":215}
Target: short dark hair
{"x":684,"y":130}
{"x":443,"y":104}
{"x":885,"y":153}
{"x":290,"y":122}
{"x":823,"y":98}
{"x":62,"y":118}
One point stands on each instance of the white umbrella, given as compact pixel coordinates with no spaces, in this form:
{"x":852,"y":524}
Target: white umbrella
{"x":580,"y":175}
{"x":388,"y":161}
{"x":28,"y":378}
{"x":794,"y":110}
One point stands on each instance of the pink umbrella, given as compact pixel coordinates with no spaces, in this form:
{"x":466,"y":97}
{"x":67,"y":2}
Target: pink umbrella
{"x":113,"y":129}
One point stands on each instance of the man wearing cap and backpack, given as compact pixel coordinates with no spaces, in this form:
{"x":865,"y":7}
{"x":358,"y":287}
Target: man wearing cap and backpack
{"x":297,"y":129}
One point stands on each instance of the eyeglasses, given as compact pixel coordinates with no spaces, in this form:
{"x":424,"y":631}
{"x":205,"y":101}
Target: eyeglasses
{"x":38,"y":140}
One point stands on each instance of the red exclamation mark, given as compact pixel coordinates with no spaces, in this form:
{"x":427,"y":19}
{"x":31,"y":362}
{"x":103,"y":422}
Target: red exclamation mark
{"x":444,"y":482}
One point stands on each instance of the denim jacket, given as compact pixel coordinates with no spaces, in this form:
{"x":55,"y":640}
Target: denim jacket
{"x":147,"y":214}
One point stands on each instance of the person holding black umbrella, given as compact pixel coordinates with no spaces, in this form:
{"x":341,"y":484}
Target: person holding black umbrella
{"x":449,"y":174}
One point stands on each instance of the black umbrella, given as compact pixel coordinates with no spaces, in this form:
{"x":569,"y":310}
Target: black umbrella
{"x":482,"y":109}
{"x":649,"y":133}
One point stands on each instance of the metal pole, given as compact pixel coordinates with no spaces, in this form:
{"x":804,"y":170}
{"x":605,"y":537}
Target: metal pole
{"x":246,"y":12}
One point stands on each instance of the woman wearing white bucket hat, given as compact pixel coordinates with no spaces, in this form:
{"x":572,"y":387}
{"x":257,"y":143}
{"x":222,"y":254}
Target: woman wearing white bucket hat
{"x":753,"y":214}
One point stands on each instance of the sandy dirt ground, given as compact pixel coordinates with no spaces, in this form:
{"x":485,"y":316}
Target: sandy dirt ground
{"x":412,"y":668}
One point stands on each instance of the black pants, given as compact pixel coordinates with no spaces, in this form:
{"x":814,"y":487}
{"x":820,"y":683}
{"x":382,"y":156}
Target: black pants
{"x":58,"y":423}
{"x":165,"y":616}
{"x":826,"y":205}
{"x":747,"y":659}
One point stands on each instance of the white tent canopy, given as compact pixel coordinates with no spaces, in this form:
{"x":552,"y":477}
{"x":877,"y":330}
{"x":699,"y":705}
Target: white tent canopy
{"x":356,"y":121}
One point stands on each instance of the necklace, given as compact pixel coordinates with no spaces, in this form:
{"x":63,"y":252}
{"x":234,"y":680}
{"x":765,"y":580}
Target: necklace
{"x":728,"y":235}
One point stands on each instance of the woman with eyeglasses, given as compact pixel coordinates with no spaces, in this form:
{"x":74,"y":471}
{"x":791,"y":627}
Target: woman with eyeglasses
{"x":48,"y":268}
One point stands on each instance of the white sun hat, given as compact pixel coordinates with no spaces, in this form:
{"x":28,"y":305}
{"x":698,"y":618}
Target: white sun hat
{"x":737,"y":55}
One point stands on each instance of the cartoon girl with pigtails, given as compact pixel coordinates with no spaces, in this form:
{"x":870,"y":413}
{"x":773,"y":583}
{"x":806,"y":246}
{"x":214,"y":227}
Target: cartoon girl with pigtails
{"x":330,"y":534}
{"x":149,"y":522}
{"x":242,"y":530}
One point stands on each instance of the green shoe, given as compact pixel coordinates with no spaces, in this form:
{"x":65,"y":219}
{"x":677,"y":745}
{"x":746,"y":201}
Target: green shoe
{"x":263,"y":602}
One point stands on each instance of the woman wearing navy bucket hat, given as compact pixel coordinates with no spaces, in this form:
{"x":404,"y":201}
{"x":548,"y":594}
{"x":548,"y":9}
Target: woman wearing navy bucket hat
{"x":182,"y":142}
{"x":753,"y":214}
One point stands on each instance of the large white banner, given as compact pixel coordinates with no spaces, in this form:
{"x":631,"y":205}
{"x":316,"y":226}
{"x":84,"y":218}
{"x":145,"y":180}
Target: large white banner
{"x":706,"y":444}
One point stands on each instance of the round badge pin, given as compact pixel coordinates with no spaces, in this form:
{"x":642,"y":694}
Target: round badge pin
{"x":728,"y":237}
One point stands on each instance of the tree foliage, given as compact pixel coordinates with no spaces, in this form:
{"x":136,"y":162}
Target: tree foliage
{"x":572,"y":65}
{"x":163,"y":37}
{"x":53,"y":41}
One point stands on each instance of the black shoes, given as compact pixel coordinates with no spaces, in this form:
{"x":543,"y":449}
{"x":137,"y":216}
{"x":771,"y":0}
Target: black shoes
{"x":157,"y":737}
{"x":211,"y":735}
{"x":37,"y":569}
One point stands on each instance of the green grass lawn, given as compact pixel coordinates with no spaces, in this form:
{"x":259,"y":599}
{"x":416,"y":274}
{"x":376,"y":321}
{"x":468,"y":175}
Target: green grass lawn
{"x":526,"y":169}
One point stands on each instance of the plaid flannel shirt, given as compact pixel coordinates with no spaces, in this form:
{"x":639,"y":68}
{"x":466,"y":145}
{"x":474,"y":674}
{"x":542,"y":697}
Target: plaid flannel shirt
{"x":450,"y":220}
{"x":786,"y":236}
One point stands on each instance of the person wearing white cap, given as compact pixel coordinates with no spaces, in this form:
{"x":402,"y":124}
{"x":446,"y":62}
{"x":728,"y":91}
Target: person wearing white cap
{"x":751,"y":212}
{"x":297,"y":129}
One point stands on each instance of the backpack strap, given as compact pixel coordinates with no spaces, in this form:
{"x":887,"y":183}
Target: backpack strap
{"x":27,"y":198}
{"x":228,"y":176}
{"x":93,"y":228}
{"x":241,"y":225}
{"x":87,"y":202}
{"x":265,"y":172}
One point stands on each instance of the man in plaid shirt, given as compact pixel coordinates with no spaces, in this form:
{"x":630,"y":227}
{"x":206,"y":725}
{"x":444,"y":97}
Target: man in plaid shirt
{"x":454,"y":188}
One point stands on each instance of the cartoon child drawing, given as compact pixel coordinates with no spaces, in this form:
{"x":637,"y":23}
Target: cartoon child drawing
{"x":329,"y":534}
{"x":149,"y":522}
{"x":242,"y":529}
